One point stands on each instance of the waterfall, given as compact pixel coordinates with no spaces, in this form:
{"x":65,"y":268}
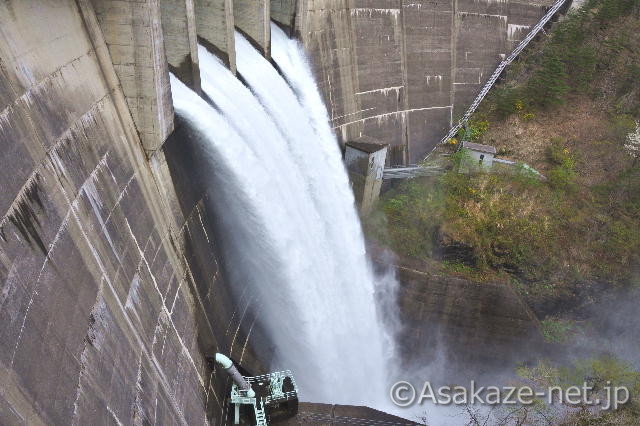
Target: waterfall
{"x":291,"y":232}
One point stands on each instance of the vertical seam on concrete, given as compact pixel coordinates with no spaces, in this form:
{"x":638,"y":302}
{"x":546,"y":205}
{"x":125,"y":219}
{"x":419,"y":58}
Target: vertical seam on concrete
{"x":195,"y":293}
{"x":246,"y":341}
{"x":405,"y":82}
{"x":101,"y":266}
{"x":354,"y":65}
{"x":108,"y":281}
{"x":454,"y":34}
{"x":82,"y":354}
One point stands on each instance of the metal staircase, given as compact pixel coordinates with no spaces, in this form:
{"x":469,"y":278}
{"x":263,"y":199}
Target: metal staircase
{"x":494,"y":77}
{"x":272,"y":395}
{"x":261,"y":417}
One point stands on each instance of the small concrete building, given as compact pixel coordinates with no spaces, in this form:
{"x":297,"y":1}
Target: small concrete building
{"x":365,"y":158}
{"x":477,"y":157}
{"x":483,"y":158}
{"x":480,"y":155}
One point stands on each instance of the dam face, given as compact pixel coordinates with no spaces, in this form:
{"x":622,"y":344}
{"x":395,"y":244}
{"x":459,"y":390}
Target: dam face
{"x":112,"y":286}
{"x":111,"y":294}
{"x":402,"y":71}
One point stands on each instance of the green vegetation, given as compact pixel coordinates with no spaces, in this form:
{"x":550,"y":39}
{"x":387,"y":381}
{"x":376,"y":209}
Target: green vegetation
{"x":552,"y":236}
{"x":507,"y":101}
{"x":557,"y":330}
{"x":548,"y":86}
{"x":591,"y":52}
{"x":563,"y":173}
{"x":474,"y":130}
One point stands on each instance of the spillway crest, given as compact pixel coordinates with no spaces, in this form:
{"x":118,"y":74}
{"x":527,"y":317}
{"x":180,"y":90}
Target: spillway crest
{"x":292,"y":242}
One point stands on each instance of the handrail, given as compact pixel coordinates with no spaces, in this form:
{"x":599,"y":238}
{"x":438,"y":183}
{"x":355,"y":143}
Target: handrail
{"x":411,"y":171}
{"x":494,"y":77}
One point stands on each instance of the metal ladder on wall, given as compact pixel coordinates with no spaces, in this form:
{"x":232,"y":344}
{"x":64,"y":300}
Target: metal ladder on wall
{"x":494,"y":77}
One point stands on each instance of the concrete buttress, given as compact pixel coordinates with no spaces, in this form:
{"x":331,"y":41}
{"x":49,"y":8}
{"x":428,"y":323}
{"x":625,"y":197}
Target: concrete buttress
{"x":180,"y":40}
{"x":215,"y":28}
{"x":252,"y":18}
{"x":133,"y":34}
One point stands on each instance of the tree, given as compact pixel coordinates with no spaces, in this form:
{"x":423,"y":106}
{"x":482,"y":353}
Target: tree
{"x":548,"y":86}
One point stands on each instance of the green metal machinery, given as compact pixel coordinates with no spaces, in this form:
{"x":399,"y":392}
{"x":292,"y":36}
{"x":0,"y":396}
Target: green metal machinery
{"x":260,"y":399}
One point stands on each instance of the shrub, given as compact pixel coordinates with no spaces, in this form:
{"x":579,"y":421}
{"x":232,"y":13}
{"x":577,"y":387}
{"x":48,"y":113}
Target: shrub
{"x":507,"y":102}
{"x":620,"y":127}
{"x":458,"y":268}
{"x":630,"y":79}
{"x":413,"y":213}
{"x":609,"y":10}
{"x":558,"y":153}
{"x":562,"y":175}
{"x":474,"y":130}
{"x":557,"y":330}
{"x":581,"y":60}
{"x":561,"y":178}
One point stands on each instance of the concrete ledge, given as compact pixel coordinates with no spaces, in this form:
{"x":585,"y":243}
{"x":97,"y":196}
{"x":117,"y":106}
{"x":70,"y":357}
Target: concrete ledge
{"x":327,"y":414}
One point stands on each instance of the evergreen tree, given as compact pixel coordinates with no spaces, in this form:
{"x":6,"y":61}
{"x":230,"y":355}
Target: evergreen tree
{"x":548,"y":86}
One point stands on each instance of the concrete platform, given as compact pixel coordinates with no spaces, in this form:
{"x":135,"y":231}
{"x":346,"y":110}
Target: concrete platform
{"x":326,"y":414}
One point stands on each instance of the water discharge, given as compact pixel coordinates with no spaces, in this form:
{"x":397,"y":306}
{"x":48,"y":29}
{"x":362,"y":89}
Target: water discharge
{"x":292,"y":235}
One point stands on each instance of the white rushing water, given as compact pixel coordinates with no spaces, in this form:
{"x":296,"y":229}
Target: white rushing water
{"x":292,"y":236}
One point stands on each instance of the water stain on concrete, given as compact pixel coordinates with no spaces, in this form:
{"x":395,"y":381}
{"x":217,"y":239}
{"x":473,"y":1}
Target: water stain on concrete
{"x":24,"y":218}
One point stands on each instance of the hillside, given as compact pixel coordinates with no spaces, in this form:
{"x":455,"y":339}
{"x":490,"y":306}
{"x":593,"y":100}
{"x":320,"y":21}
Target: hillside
{"x":567,"y":108}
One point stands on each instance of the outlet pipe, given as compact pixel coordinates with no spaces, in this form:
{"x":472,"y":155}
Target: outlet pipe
{"x":235,"y":375}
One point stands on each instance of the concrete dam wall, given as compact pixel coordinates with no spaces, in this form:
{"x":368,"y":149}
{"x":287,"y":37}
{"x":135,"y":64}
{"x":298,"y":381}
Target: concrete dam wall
{"x":401,"y":71}
{"x":112,"y":291}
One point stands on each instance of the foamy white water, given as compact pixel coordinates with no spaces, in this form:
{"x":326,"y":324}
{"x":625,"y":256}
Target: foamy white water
{"x":292,"y":234}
